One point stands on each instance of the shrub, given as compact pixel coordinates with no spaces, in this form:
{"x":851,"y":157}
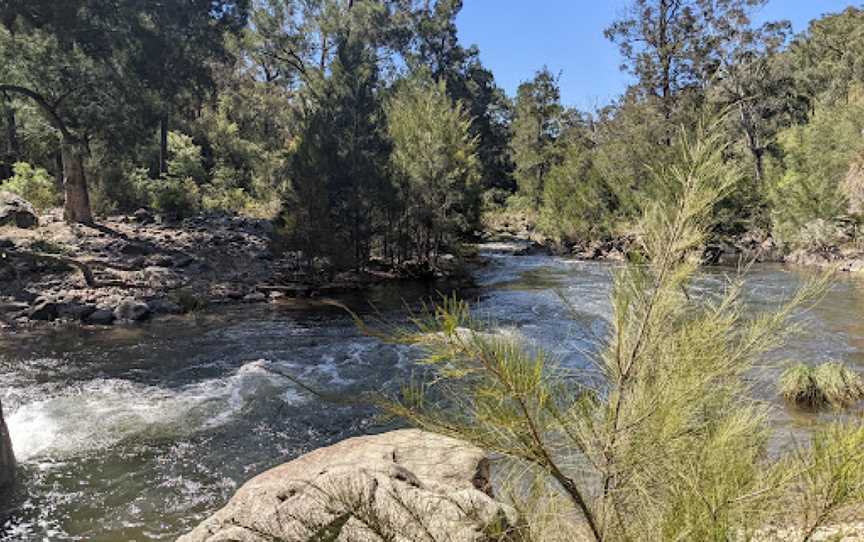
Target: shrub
{"x":186,"y":159}
{"x":35,"y":185}
{"x":665,"y":442}
{"x":126,"y":188}
{"x":175,"y":197}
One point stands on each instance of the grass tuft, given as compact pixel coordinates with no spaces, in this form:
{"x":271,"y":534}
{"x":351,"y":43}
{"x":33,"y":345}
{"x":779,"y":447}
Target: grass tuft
{"x":831,"y":383}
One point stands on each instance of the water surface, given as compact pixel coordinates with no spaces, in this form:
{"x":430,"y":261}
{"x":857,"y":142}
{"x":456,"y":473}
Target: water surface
{"x":138,"y":433}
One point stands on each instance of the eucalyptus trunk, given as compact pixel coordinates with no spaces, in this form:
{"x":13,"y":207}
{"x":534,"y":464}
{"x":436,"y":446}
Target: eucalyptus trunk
{"x":76,"y":208}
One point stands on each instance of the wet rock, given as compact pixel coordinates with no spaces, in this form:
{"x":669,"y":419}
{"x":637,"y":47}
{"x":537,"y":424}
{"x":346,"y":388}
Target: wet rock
{"x":44,"y":311}
{"x":7,"y":456}
{"x":423,"y":486}
{"x":100,"y":317}
{"x":76,"y":311}
{"x":255,"y":297}
{"x":182,"y":260}
{"x":16,"y":211}
{"x":131,"y":310}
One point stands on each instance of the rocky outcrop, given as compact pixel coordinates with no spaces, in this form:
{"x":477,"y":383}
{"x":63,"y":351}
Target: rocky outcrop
{"x":15,"y":211}
{"x":7,"y":457}
{"x":407,"y":485}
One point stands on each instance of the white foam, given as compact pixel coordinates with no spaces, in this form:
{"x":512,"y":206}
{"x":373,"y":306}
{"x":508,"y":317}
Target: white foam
{"x":105,"y":411}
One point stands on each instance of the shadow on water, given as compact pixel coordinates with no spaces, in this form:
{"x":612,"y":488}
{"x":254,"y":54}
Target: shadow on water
{"x":138,"y":433}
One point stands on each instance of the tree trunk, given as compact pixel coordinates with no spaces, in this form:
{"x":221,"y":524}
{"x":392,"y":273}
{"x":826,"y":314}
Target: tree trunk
{"x":13,"y":149}
{"x":77,"y":206}
{"x":163,"y":145}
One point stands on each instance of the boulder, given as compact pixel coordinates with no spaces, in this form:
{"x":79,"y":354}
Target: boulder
{"x":44,"y":311}
{"x":255,"y":297}
{"x":143,"y":216}
{"x":409,"y":485}
{"x":100,"y":317}
{"x":7,"y":457}
{"x":16,"y":211}
{"x":165,"y":306}
{"x":131,"y":310}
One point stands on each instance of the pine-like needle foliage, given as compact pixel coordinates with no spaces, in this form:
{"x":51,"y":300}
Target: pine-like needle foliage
{"x":670,"y":445}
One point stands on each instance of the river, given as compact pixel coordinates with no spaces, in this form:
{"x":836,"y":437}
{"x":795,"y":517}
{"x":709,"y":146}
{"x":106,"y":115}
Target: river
{"x":138,"y":433}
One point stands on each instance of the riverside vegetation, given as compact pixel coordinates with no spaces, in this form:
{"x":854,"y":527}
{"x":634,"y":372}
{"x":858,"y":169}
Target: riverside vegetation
{"x":361,"y":134}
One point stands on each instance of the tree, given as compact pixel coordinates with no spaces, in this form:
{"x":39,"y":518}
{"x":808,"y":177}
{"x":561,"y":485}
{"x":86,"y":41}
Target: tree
{"x":87,"y":65}
{"x":435,"y":164}
{"x":671,"y":46}
{"x":338,"y":170}
{"x":827,"y":58}
{"x":537,"y":126}
{"x":435,"y":46}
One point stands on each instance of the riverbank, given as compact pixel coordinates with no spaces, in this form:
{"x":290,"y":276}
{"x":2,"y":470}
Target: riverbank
{"x":757,"y":247}
{"x":129,"y":268}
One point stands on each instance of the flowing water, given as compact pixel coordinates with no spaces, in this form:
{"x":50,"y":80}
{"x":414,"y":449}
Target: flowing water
{"x":137,"y":433}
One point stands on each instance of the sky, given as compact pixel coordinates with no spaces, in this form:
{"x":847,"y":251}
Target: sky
{"x":518,"y":37}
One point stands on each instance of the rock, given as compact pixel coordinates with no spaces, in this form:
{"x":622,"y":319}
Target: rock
{"x":76,"y":311}
{"x":44,"y":311}
{"x":143,"y":216}
{"x":131,"y":310}
{"x":100,"y":317}
{"x":423,"y":486}
{"x":16,"y":211}
{"x":7,"y":456}
{"x":182,"y":260}
{"x":165,"y":306}
{"x":255,"y":297}
{"x":135,"y":249}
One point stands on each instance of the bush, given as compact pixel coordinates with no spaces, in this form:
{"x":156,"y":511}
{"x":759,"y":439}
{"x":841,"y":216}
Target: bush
{"x":126,"y":188}
{"x":175,"y":197}
{"x":664,"y":441}
{"x":186,"y":159}
{"x":33,"y":184}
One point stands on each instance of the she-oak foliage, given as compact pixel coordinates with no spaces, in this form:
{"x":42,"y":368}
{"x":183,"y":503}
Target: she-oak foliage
{"x":666,"y":443}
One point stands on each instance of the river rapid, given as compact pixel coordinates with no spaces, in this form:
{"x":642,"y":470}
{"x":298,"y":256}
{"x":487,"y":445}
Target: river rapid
{"x":138,"y":433}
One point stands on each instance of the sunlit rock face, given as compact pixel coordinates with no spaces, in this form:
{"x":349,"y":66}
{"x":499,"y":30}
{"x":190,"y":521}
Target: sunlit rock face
{"x":405,"y":485}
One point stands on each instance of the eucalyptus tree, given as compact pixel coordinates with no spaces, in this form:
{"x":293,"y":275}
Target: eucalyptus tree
{"x":97,"y":69}
{"x":671,"y":47}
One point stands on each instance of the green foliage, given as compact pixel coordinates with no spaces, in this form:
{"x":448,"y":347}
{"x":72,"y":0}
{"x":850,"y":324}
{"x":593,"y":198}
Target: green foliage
{"x":537,"y":127}
{"x":338,"y":168}
{"x":34,"y":185}
{"x":177,"y":198}
{"x":186,"y":160}
{"x":816,"y":159}
{"x":577,"y":204}
{"x":435,"y":165}
{"x":830,"y":383}
{"x":666,"y":442}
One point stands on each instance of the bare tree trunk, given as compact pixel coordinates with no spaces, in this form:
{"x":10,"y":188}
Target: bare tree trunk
{"x":13,"y":149}
{"x":77,"y":205}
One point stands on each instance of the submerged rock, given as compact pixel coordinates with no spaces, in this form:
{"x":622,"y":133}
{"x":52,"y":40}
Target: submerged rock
{"x":7,"y":457}
{"x":411,"y":484}
{"x":16,"y":211}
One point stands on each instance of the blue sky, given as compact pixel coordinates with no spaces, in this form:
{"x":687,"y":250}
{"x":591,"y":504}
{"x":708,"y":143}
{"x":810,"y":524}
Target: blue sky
{"x":517,"y":37}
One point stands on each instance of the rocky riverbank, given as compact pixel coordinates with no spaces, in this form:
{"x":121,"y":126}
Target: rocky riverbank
{"x":129,"y":268}
{"x":733,"y":251}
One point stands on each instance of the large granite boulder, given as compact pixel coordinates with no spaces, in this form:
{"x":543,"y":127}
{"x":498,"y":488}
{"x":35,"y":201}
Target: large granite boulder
{"x":403,"y":486}
{"x":16,"y":211}
{"x":7,"y":458}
